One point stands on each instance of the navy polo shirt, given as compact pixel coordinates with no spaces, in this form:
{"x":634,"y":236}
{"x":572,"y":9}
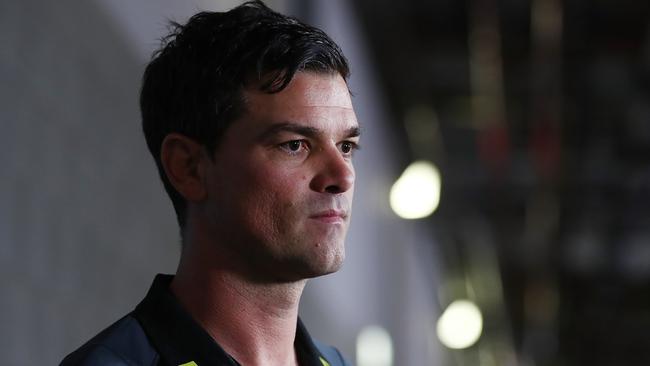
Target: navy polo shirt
{"x":160,"y":332}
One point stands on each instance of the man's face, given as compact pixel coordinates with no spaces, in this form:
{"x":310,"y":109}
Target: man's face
{"x":280,"y":189}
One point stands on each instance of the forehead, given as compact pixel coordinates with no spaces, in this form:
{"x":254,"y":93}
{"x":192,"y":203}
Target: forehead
{"x":309,"y":95}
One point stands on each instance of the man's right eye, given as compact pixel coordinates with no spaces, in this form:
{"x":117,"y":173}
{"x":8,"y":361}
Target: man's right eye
{"x":294,"y":146}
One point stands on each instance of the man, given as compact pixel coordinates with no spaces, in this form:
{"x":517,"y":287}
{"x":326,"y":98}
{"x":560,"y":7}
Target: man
{"x":249,"y":119}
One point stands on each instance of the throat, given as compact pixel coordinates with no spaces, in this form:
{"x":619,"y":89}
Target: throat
{"x":254,"y":323}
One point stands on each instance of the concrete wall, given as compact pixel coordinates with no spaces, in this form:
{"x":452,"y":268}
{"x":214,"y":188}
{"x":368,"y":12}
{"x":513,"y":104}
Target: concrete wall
{"x":84,"y":222}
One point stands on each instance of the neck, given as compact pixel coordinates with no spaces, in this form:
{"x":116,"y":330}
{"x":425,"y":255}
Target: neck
{"x":254,"y":322}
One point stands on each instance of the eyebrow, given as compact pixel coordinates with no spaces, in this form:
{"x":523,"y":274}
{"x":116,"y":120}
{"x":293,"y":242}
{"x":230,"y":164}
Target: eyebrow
{"x":300,"y":129}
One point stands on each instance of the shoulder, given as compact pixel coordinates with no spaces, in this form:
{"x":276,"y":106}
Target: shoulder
{"x":122,"y":343}
{"x":331,"y":354}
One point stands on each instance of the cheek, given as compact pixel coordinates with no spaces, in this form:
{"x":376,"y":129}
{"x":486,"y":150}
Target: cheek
{"x":272,"y":198}
{"x":279,"y":180}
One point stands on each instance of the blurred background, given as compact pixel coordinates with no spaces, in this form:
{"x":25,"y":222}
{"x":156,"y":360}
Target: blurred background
{"x":501,"y":207}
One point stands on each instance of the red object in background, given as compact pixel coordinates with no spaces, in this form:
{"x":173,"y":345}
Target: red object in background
{"x":545,"y":148}
{"x":494,"y":148}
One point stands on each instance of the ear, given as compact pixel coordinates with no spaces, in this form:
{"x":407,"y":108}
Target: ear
{"x":184,"y":161}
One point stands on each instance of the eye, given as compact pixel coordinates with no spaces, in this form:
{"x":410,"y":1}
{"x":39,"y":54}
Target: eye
{"x":348,"y":147}
{"x":294,"y":147}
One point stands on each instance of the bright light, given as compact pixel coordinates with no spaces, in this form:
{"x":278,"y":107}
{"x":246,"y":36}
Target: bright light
{"x":460,"y":325}
{"x":416,"y":193}
{"x":374,"y":347}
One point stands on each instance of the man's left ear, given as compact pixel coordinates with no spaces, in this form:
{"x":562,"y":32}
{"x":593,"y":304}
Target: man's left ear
{"x":184,"y":162}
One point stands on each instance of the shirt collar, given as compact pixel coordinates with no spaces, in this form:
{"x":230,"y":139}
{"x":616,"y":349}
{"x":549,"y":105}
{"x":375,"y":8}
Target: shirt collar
{"x":180,"y":340}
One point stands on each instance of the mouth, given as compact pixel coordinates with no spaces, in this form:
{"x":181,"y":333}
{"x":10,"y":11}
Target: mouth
{"x":330,"y":216}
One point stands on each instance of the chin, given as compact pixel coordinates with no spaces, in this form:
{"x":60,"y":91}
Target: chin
{"x":312,"y":264}
{"x":326,"y":264}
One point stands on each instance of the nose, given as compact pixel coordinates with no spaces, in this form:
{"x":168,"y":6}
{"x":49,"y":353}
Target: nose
{"x":335,"y":174}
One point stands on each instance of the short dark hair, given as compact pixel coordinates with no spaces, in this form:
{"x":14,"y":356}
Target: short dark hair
{"x":194,"y":83}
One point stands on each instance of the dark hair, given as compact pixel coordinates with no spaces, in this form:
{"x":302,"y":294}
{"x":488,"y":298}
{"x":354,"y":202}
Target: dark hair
{"x":194,"y":83}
